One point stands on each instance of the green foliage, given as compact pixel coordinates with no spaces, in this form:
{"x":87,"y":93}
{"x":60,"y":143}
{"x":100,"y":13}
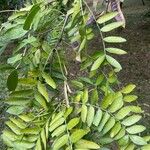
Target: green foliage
{"x":49,"y":110}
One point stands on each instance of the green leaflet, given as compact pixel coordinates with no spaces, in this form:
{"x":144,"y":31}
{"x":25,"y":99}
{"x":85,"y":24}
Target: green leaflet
{"x":111,"y":26}
{"x":20,"y":93}
{"x":23,"y":145}
{"x":116,"y":51}
{"x":128,"y":89}
{"x":34,"y":10}
{"x":123,"y":112}
{"x":90,"y":115}
{"x":59,"y":143}
{"x":120,"y":134}
{"x":114,"y":62}
{"x":40,"y":99}
{"x":135,"y":129}
{"x":146,"y":147}
{"x":57,"y":117}
{"x":78,"y":134}
{"x":42,"y":89}
{"x":98,"y":117}
{"x":108,"y":126}
{"x":131,"y":120}
{"x":130,"y":147}
{"x":15,"y":110}
{"x":95,"y":96}
{"x":72,"y":123}
{"x":106,"y":17}
{"x":18,"y":122}
{"x":56,"y":124}
{"x":12,"y":80}
{"x":130,"y":98}
{"x":138,"y":140}
{"x":84,"y":113}
{"x":124,"y":140}
{"x":9,"y":134}
{"x":49,"y":80}
{"x":14,"y":59}
{"x":38,"y":145}
{"x":107,"y":100}
{"x":98,"y":62}
{"x":13,"y":127}
{"x":84,"y":144}
{"x":59,"y":131}
{"x":43,"y":138}
{"x":99,"y":79}
{"x":115,"y":129}
{"x":82,"y":45}
{"x":105,"y":118}
{"x":34,"y":130}
{"x":114,"y":39}
{"x":116,"y":105}
{"x":85,"y":96}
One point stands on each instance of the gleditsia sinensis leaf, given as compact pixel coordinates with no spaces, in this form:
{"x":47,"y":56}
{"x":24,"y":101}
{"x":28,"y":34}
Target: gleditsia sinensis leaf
{"x":128,"y":89}
{"x":26,"y":117}
{"x":59,"y":130}
{"x":131,"y":120}
{"x":84,"y":111}
{"x":34,"y":130}
{"x":49,"y":80}
{"x":106,"y":17}
{"x":130,"y":146}
{"x":78,"y":134}
{"x":18,"y":123}
{"x":15,"y":110}
{"x":85,"y":96}
{"x":108,"y":126}
{"x":23,"y":145}
{"x":57,"y":117}
{"x":42,"y":89}
{"x":56,"y":124}
{"x":12,"y":80}
{"x":98,"y":117}
{"x":41,"y":100}
{"x":14,"y":59}
{"x":146,"y":147}
{"x":90,"y":115}
{"x":120,"y":134}
{"x":82,"y":45}
{"x":98,"y":62}
{"x":116,"y":51}
{"x":68,"y":112}
{"x":113,"y":62}
{"x":107,"y":101}
{"x":21,"y":93}
{"x":137,"y":140}
{"x":130,"y":98}
{"x":116,"y":105}
{"x":38,"y":145}
{"x":12,"y":136}
{"x":13,"y":127}
{"x":124,"y":140}
{"x":72,"y":123}
{"x":105,"y":118}
{"x":135,"y":129}
{"x":60,"y":142}
{"x":115,"y":129}
{"x":114,"y":39}
{"x":34,"y":10}
{"x":43,"y":138}
{"x":111,"y":26}
{"x":99,"y":79}
{"x":84,"y":144}
{"x":94,"y":97}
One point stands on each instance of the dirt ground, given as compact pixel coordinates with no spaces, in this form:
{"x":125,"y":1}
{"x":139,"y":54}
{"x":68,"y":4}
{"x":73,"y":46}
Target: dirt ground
{"x":136,"y":64}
